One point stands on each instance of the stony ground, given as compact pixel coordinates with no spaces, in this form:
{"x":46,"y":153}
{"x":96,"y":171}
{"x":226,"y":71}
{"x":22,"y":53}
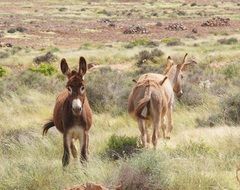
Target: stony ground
{"x":52,"y":23}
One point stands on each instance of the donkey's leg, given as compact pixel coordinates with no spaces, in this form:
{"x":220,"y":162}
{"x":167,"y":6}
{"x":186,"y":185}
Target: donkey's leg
{"x":147,"y":126}
{"x":156,"y":125}
{"x":83,"y":145}
{"x":87,"y":141}
{"x":66,"y":147}
{"x":73,"y":150}
{"x":163,"y":127}
{"x":169,"y":123}
{"x":141,"y":125}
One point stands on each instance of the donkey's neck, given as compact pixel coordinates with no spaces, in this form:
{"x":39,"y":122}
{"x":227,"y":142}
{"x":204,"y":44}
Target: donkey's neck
{"x":171,"y":75}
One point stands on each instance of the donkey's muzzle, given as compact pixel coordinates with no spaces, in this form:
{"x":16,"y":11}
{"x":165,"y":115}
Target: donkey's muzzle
{"x":77,"y":110}
{"x":179,"y":94}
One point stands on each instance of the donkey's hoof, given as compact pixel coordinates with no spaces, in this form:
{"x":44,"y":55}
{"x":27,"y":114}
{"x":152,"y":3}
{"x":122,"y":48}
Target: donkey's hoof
{"x":167,"y":138}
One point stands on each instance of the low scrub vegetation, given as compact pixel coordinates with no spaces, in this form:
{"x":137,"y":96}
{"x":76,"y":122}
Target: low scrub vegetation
{"x":141,"y":42}
{"x":2,"y":71}
{"x":145,"y":56}
{"x":45,"y":69}
{"x":121,"y":146}
{"x":228,"y":41}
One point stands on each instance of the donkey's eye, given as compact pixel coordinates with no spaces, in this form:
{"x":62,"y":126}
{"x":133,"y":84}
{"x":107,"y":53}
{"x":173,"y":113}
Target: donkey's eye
{"x":82,"y":89}
{"x":69,"y":89}
{"x":181,"y":76}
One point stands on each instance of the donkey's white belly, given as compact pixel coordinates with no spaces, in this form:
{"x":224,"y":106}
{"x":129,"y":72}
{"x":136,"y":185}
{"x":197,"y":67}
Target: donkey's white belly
{"x":76,"y":132}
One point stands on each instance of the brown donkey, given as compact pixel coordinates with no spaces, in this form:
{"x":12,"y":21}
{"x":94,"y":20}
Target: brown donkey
{"x":147,"y":102}
{"x":72,"y":114}
{"x":172,"y":85}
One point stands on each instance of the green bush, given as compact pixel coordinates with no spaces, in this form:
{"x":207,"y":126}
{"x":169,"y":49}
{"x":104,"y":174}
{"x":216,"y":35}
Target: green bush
{"x":141,"y":42}
{"x":121,"y":146}
{"x":2,"y":72}
{"x":45,"y":69}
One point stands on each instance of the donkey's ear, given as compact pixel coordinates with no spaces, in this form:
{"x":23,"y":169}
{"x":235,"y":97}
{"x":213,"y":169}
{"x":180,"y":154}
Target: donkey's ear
{"x":169,"y":62}
{"x":64,"y":67}
{"x":182,"y":65}
{"x":192,"y":62}
{"x":82,"y":66}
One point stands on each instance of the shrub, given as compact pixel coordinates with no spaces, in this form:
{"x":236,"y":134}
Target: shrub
{"x":175,"y":43}
{"x":11,"y":30}
{"x":108,"y":90}
{"x":121,"y":146}
{"x":104,"y":12}
{"x":145,"y":56}
{"x":231,"y":109}
{"x":147,"y":170}
{"x":45,"y":69}
{"x":228,"y":41}
{"x":192,"y":95}
{"x":18,"y":29}
{"x":172,"y":41}
{"x":3,"y":55}
{"x":62,"y":9}
{"x":193,"y":4}
{"x":141,"y":42}
{"x":49,"y":57}
{"x":2,"y":72}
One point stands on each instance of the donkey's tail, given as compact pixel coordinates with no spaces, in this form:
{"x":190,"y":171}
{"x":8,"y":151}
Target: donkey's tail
{"x":47,"y":126}
{"x":142,"y":107}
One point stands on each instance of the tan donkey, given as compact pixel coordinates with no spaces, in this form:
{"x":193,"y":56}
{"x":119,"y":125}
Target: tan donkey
{"x":147,"y":101}
{"x":171,"y":82}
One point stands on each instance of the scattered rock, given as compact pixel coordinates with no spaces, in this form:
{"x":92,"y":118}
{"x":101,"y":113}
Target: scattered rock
{"x":194,"y":30}
{"x":181,"y":13}
{"x":18,"y":29}
{"x":108,"y":22}
{"x":48,"y":57}
{"x":159,"y":24}
{"x":11,"y":30}
{"x":216,"y":21}
{"x":135,"y":29}
{"x":176,"y":27}
{"x":8,"y":45}
{"x":154,"y":14}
